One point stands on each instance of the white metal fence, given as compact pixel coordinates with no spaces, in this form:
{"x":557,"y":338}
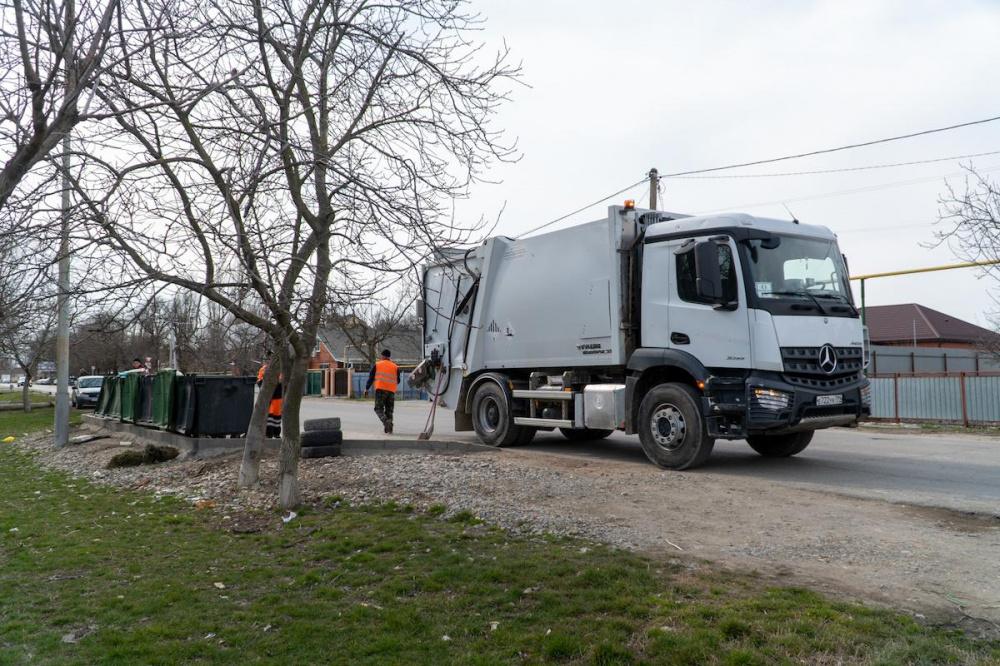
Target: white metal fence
{"x":964,"y":398}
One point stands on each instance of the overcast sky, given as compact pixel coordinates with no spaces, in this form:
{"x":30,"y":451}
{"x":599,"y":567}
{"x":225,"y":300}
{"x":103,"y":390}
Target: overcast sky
{"x":617,"y":88}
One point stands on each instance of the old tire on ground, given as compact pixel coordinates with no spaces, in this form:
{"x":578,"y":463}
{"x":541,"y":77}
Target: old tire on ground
{"x":332,"y":423}
{"x":318,"y":438}
{"x":492,"y":418}
{"x":671,"y":429}
{"x":321,"y":451}
{"x":780,"y":446}
{"x":584,"y":434}
{"x":527,"y":434}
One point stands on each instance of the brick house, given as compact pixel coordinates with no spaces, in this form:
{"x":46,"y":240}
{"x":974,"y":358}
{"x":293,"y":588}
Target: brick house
{"x":338,"y":358}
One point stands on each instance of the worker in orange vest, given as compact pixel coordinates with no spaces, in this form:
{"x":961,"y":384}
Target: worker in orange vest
{"x":384,"y":375}
{"x":273,"y":428}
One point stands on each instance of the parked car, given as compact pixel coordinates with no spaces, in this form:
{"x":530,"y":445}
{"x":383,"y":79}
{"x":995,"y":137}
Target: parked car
{"x":72,"y":381}
{"x":87,"y":391}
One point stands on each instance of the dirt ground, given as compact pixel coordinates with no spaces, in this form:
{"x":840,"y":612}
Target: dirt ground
{"x":936,"y":564}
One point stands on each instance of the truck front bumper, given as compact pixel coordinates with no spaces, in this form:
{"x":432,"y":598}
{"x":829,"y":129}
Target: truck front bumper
{"x":767,"y":403}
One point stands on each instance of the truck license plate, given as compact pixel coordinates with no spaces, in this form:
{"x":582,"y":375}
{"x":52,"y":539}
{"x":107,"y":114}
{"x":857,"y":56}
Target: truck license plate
{"x":824,"y":400}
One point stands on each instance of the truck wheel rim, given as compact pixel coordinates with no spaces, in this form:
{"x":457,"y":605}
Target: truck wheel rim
{"x":668,"y":427}
{"x":489,"y":414}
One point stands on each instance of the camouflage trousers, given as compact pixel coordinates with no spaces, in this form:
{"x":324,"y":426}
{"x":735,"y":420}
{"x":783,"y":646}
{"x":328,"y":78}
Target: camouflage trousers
{"x":385,"y":401}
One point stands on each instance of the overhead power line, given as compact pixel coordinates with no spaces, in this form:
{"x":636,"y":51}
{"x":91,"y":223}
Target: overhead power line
{"x":826,"y":151}
{"x":582,"y":208}
{"x":841,"y":170}
{"x":855,"y":230}
{"x":856,"y":190}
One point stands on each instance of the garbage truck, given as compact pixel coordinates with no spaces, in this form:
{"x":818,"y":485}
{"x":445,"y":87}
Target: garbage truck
{"x":680,"y":329}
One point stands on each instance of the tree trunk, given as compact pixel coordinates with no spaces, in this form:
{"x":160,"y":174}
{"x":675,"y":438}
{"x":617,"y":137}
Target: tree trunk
{"x":25,"y":392}
{"x":289,"y":495}
{"x":250,"y":467}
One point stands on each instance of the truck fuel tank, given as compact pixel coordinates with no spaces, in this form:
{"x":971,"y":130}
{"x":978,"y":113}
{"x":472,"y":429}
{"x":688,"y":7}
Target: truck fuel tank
{"x":604,"y":406}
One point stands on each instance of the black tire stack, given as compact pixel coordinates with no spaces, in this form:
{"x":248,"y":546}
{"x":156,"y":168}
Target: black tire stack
{"x":322,"y":438}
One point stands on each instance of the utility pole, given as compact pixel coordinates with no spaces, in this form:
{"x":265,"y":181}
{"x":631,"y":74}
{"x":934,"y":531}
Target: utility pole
{"x":62,"y":298}
{"x":654,"y":181}
{"x":173,"y":346}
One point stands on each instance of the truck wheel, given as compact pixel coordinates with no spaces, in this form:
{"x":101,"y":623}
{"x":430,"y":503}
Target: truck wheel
{"x":584,"y":434}
{"x":491,"y":417}
{"x":527,"y":434}
{"x":780,"y":446}
{"x":671,"y":429}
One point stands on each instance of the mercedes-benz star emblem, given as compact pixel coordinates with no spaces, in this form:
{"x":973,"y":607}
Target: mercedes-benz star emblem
{"x":827,"y":359}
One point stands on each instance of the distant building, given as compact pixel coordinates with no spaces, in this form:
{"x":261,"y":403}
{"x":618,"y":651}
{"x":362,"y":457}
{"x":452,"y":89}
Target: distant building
{"x":915,"y":325}
{"x":334,"y":349}
{"x":337,"y":359}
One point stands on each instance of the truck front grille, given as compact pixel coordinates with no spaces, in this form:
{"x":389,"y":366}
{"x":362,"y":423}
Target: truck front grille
{"x":802,"y":367}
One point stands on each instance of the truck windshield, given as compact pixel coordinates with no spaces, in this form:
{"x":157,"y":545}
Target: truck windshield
{"x":795,"y":267}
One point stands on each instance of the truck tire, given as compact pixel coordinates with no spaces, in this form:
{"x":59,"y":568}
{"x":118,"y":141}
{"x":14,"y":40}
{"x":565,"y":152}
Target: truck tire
{"x":780,"y":446}
{"x":584,"y":434}
{"x":331,"y":423}
{"x":322,"y":438}
{"x":671,"y":429}
{"x":527,"y":434}
{"x":491,"y":416}
{"x":321,"y":451}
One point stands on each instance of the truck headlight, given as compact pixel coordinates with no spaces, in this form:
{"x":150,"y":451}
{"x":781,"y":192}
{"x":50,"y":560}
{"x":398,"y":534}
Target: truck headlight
{"x":866,"y":395}
{"x":771,"y":399}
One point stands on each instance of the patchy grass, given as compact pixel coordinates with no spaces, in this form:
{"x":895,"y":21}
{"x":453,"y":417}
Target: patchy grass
{"x":15,"y":396}
{"x":94,"y":575}
{"x":18,"y":423}
{"x":909,"y":428}
{"x":992,"y":431}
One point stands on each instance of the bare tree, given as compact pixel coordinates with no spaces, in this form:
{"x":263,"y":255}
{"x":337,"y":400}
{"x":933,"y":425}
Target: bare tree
{"x":51,"y":54}
{"x":368,"y":326}
{"x":270,"y":145}
{"x":969,"y":222}
{"x":27,"y":315}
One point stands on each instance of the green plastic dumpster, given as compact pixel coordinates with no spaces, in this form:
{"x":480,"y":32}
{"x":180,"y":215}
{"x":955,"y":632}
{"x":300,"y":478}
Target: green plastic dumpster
{"x":164,"y":385}
{"x":129,"y":391}
{"x":104,"y":398}
{"x":115,"y":399}
{"x":213,"y":406}
{"x":144,"y":402}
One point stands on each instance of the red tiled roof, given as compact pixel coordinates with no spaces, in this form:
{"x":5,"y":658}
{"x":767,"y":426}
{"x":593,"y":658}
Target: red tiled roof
{"x":895,"y":323}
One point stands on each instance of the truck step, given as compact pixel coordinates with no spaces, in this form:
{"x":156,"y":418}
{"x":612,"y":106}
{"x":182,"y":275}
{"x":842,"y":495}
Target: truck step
{"x":541,"y":394}
{"x":542,"y":423}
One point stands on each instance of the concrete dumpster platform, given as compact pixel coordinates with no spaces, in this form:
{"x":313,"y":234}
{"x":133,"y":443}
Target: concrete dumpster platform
{"x":206,"y":447}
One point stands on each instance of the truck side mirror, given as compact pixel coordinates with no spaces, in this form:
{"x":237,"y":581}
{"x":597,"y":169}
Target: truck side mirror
{"x":706,"y":267}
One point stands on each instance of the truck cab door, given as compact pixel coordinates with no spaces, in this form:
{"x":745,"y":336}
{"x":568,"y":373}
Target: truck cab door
{"x":718,"y":336}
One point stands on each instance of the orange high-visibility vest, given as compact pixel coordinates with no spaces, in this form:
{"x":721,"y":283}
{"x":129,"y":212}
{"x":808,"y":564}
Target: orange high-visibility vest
{"x":273,"y":407}
{"x":385,"y":375}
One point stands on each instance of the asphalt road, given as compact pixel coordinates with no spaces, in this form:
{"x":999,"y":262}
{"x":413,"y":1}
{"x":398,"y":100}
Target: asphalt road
{"x":960,"y":472}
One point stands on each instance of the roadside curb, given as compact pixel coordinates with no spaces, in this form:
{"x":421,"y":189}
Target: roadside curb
{"x":207,"y":447}
{"x":370,"y":446}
